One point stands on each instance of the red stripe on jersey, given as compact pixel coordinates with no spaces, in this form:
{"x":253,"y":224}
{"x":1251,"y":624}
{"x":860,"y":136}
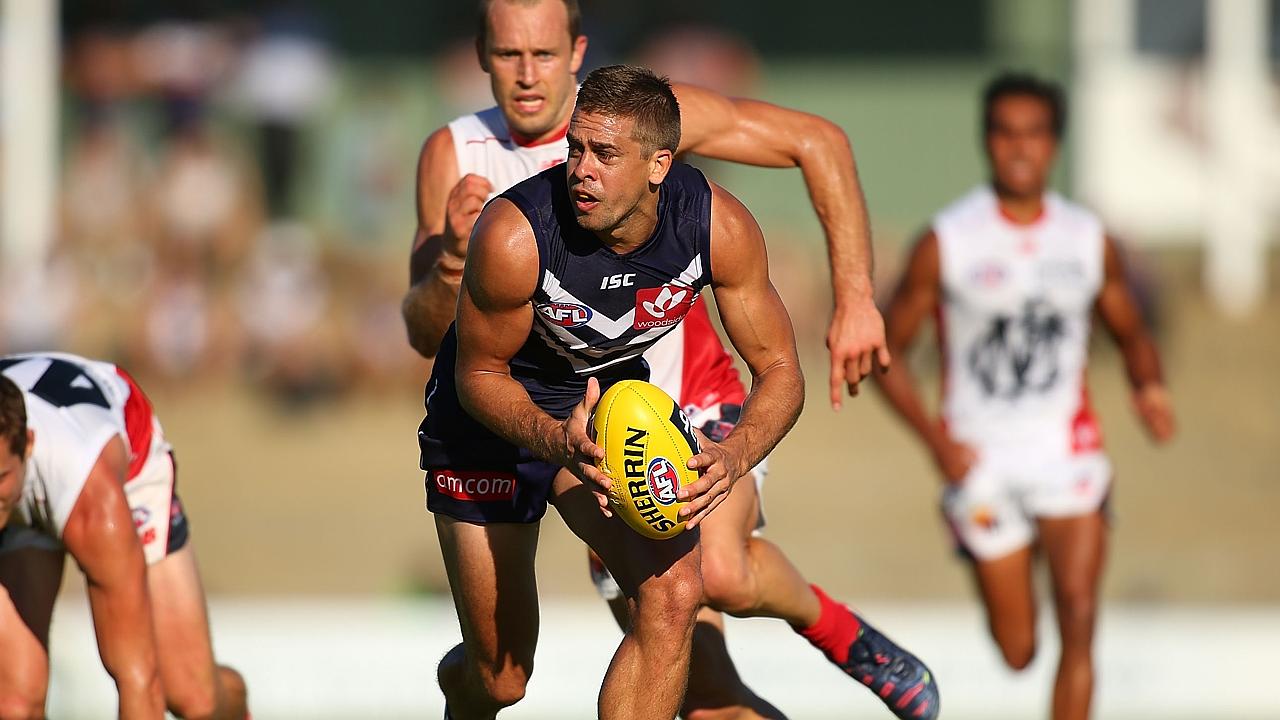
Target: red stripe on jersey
{"x":1086,"y":435}
{"x":137,"y":424}
{"x":707,"y":377}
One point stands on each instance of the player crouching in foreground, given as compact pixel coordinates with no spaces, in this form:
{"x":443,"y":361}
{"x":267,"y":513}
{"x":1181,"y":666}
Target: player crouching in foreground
{"x":85,"y":465}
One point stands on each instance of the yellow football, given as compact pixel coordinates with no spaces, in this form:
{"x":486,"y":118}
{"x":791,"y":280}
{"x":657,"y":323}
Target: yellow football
{"x":647,"y":442}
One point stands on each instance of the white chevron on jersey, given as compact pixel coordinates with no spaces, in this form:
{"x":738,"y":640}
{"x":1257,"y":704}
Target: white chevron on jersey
{"x":1014,"y":321}
{"x":483,"y":146}
{"x":572,"y":347}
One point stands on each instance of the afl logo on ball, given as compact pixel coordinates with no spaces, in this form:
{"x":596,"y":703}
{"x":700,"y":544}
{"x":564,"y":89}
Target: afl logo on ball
{"x":663,"y":481}
{"x":567,"y":315}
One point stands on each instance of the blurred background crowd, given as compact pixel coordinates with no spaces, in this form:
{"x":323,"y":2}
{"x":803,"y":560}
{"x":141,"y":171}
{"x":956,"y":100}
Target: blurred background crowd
{"x":233,"y":208}
{"x":228,"y":206}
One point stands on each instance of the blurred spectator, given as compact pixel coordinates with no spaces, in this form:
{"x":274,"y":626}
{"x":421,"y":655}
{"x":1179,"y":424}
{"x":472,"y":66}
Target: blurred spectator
{"x":284,"y":78}
{"x":284,"y":304}
{"x":706,"y":56}
{"x":206,"y":214}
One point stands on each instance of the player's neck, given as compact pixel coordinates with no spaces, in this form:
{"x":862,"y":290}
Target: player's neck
{"x":549,"y":136}
{"x":1021,"y":209}
{"x":634,"y":229}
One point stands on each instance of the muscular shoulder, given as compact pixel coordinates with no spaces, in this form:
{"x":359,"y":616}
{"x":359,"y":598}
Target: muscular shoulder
{"x":736,"y":239}
{"x":729,"y":214}
{"x":502,"y":258}
{"x":437,"y":157}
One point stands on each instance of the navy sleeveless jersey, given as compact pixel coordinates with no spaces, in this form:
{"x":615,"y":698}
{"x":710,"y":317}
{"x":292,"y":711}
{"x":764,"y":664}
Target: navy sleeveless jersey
{"x":595,"y":311}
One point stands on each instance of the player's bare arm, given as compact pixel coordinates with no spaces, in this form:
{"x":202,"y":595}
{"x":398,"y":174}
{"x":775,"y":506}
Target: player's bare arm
{"x":915,"y":299}
{"x":763,"y":134}
{"x":759,"y":327}
{"x":1119,"y":312}
{"x":447,"y":208}
{"x":100,"y":535}
{"x":495,"y":316}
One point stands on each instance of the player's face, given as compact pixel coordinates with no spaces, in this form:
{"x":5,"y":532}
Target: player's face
{"x":532,"y":64}
{"x":12,"y":473}
{"x":609,"y":172}
{"x":1021,"y":145}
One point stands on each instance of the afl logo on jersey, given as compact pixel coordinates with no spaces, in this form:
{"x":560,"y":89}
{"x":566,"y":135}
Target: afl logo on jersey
{"x":663,"y":481}
{"x":989,"y":274}
{"x":662,"y":307}
{"x":566,"y":315}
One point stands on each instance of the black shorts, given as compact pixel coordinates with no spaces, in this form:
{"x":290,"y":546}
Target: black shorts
{"x":477,"y":477}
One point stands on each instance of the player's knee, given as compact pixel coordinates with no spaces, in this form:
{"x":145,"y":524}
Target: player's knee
{"x":21,"y":706}
{"x":671,"y":600}
{"x":728,"y":585}
{"x":506,"y":686}
{"x":233,"y":685}
{"x":192,"y":701}
{"x":1077,"y":612}
{"x":1018,"y":650}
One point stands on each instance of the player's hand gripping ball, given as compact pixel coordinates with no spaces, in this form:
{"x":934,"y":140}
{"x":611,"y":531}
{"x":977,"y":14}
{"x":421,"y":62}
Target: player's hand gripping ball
{"x":647,"y":443}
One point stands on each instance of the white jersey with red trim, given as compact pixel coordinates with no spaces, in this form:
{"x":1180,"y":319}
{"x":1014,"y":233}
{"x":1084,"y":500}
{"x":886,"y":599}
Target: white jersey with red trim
{"x":74,"y":407}
{"x":1014,"y":322}
{"x":689,"y":362}
{"x":485,"y":146}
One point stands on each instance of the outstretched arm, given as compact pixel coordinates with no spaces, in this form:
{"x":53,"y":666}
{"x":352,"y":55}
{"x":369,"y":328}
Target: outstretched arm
{"x":1119,"y":313}
{"x":915,"y":298}
{"x":759,"y":133}
{"x":494,"y":318}
{"x":760,"y":329}
{"x":447,"y":208}
{"x":100,"y":535}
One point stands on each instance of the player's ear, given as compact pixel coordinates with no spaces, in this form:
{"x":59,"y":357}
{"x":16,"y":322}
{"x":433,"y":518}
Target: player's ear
{"x":31,"y":444}
{"x":660,"y":165}
{"x":578,"y":54}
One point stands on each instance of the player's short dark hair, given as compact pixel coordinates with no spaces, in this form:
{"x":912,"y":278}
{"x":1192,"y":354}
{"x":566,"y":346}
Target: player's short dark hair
{"x":1027,"y":85}
{"x":13,"y":417}
{"x":637,"y":93}
{"x":482,"y":16}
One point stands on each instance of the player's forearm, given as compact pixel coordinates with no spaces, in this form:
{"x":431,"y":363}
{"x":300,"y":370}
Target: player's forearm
{"x":831,"y":177}
{"x":768,"y":413}
{"x":503,"y":405}
{"x":429,"y":307}
{"x":122,"y":621}
{"x":1141,"y":360}
{"x":899,"y":387}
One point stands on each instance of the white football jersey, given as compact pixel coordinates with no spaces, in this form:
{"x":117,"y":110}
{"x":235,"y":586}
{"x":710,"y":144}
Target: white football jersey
{"x":484,"y":146}
{"x":74,"y":407}
{"x":1014,"y":321}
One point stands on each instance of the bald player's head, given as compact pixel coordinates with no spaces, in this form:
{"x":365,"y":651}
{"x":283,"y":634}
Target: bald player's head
{"x":573,"y":16}
{"x":532,"y":51}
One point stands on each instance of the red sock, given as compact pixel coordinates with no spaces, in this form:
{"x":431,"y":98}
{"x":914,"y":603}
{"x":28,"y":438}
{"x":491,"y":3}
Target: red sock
{"x":836,"y":629}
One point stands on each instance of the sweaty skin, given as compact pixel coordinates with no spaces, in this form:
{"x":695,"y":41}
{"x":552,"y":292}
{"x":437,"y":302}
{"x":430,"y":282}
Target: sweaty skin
{"x":533,"y":63}
{"x":495,"y":315}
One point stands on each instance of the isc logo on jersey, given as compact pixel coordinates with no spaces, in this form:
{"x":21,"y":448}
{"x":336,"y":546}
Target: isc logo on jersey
{"x":647,"y":445}
{"x":566,"y":315}
{"x":662,"y":307}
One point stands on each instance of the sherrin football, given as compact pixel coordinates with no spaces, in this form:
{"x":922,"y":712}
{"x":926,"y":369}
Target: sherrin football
{"x":647,"y":444}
